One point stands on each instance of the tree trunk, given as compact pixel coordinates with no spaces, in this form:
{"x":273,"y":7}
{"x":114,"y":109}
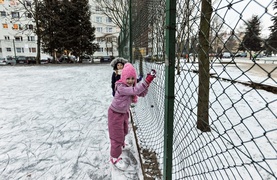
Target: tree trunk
{"x":204,"y":75}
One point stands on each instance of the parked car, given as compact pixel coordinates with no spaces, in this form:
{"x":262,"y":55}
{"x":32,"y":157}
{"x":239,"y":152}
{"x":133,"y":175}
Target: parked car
{"x":226,"y":55}
{"x":241,"y":54}
{"x":7,"y":61}
{"x":21,"y":60}
{"x":67,"y":59}
{"x":212,"y":54}
{"x":45,"y":59}
{"x":11,"y":61}
{"x":96,"y":59}
{"x":31,"y":60}
{"x":148,"y":57}
{"x":259,"y":55}
{"x":106,"y":59}
{"x":157,"y":57}
{"x":3,"y":61}
{"x":86,"y":59}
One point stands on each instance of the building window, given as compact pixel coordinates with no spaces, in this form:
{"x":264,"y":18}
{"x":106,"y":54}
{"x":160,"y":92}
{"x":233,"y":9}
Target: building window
{"x":110,"y":39}
{"x":15,"y":14}
{"x":29,"y":26}
{"x":100,"y":49}
{"x":99,"y":19}
{"x":32,"y":50}
{"x":28,"y":15}
{"x":5,"y":26}
{"x":3,"y":14}
{"x":18,"y":38}
{"x":20,"y":50}
{"x":109,"y":49}
{"x":100,"y":39}
{"x":16,"y":26}
{"x":108,"y":20}
{"x":14,"y":2}
{"x":99,"y":29}
{"x":7,"y":37}
{"x":97,"y":8}
{"x":109,"y":29}
{"x":9,"y":49}
{"x":31,"y":38}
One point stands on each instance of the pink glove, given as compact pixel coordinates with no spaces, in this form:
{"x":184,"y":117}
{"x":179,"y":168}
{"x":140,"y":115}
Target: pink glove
{"x":150,"y":76}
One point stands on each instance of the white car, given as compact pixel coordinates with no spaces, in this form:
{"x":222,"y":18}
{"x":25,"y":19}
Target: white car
{"x":3,"y":61}
{"x":226,"y":55}
{"x":96,"y":59}
{"x":11,"y":61}
{"x":44,"y":59}
{"x":7,"y":61}
{"x":86,"y":59}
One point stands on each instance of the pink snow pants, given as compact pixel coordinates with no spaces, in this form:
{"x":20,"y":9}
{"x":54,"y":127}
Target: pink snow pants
{"x":118,"y":129}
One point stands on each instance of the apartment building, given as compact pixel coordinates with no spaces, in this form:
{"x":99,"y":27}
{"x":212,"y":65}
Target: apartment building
{"x":18,"y":39}
{"x":106,"y":32}
{"x":16,"y":30}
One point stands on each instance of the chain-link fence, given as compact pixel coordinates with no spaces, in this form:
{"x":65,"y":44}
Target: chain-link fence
{"x":225,"y":105}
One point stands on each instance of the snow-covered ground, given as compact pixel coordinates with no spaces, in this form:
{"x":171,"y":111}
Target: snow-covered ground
{"x":53,"y":118}
{"x":242,"y":119}
{"x":53,"y":122}
{"x":241,"y":69}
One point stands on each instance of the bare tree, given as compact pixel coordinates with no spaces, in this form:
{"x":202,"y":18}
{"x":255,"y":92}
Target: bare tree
{"x":117,"y":10}
{"x":31,"y":7}
{"x":216,"y":34}
{"x":185,"y":30}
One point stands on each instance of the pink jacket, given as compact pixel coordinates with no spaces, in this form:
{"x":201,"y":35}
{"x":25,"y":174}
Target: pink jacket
{"x":124,"y":95}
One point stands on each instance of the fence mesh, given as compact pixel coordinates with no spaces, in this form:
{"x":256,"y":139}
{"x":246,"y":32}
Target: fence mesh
{"x":242,"y":74}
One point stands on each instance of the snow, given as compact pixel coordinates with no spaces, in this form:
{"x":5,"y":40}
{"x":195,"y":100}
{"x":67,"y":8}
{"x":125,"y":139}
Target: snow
{"x":53,"y":122}
{"x":243,"y":70}
{"x":243,"y":122}
{"x":53,"y":118}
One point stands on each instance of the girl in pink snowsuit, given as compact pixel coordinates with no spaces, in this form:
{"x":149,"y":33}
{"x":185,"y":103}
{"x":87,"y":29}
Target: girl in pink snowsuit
{"x":126,"y":92}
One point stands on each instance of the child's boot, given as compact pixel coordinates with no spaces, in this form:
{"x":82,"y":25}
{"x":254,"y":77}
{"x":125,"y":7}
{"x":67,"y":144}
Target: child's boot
{"x":119,"y":163}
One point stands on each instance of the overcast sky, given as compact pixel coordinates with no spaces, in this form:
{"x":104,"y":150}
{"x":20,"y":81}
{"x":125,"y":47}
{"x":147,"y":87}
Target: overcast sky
{"x":243,"y":10}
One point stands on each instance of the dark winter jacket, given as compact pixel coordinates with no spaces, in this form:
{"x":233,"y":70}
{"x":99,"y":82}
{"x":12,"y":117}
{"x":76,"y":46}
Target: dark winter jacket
{"x":115,"y":77}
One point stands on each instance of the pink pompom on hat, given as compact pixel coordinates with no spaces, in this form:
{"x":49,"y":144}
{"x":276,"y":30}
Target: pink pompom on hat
{"x":128,"y":71}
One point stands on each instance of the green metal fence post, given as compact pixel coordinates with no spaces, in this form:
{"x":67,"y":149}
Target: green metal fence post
{"x":169,"y":87}
{"x":130,"y":32}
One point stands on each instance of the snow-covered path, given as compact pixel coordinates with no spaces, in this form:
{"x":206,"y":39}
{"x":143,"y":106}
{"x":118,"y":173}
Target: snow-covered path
{"x":53,"y":122}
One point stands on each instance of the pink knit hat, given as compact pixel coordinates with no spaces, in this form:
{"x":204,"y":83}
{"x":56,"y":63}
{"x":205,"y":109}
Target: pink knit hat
{"x":127,"y":72}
